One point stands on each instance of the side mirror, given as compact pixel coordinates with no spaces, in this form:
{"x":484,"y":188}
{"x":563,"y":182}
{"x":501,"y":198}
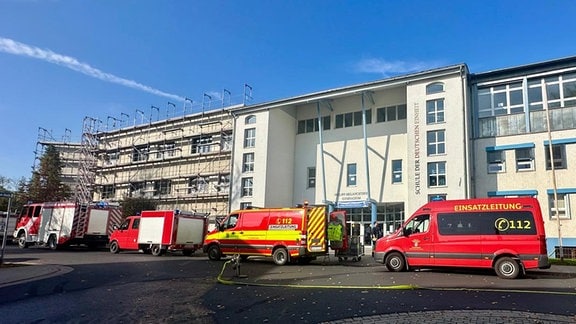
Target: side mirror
{"x":407,"y":231}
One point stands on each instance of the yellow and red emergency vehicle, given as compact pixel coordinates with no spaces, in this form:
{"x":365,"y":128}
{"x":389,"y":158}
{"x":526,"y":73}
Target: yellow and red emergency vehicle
{"x":506,"y":234}
{"x":286,"y":234}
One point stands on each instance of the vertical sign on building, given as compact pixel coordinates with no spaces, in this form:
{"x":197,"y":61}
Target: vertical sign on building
{"x":416,"y":149}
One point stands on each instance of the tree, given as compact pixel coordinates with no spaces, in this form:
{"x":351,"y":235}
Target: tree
{"x":134,"y":206}
{"x":45,"y":184}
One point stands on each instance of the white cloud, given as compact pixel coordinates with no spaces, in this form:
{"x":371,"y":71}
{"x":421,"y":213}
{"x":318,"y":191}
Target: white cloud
{"x":388,"y":68}
{"x":13,"y":47}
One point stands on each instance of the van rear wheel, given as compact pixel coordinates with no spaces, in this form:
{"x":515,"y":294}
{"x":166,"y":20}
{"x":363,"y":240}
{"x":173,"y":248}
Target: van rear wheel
{"x":52,"y":242}
{"x":507,"y":268}
{"x":280,"y":256}
{"x":395,"y":262}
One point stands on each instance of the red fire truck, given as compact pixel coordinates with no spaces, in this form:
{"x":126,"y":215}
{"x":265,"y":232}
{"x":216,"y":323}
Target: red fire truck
{"x":158,"y":231}
{"x":57,"y":224}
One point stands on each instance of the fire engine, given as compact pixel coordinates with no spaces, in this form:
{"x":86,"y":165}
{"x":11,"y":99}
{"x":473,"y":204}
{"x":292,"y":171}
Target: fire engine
{"x":58,"y":224}
{"x":286,"y":234}
{"x":159,"y":231}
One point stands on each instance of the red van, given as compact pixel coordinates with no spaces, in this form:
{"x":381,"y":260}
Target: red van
{"x":506,"y":234}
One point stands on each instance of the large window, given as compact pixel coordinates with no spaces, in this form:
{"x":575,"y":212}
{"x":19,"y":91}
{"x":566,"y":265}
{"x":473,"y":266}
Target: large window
{"x":249,"y":137}
{"x":162,"y":187}
{"x":560,"y":91}
{"x":247,"y":187}
{"x":201,"y":144}
{"x":166,"y":150}
{"x":248,"y":162}
{"x":197,"y":184}
{"x":140,"y":153}
{"x":108,"y":191}
{"x":487,"y":223}
{"x":311,"y":177}
{"x":391,"y":113}
{"x":558,"y":156}
{"x":436,"y":142}
{"x":351,"y":175}
{"x":435,"y":111}
{"x":352,"y":119}
{"x":500,"y":100}
{"x":396,"y":171}
{"x":311,"y":125}
{"x":436,"y":174}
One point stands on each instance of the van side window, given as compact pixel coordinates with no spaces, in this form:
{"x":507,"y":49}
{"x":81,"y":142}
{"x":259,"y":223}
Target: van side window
{"x":136,"y":223}
{"x":418,"y":224}
{"x":487,"y":223}
{"x":232,"y":220}
{"x":125,"y":224}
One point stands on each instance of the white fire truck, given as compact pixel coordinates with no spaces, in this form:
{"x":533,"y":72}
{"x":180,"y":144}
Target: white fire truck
{"x":59,"y":224}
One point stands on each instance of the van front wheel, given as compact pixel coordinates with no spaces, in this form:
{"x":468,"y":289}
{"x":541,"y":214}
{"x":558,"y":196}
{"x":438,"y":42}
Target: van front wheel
{"x":280,"y":256}
{"x":214,"y":253}
{"x":507,"y":268}
{"x":395,"y":262}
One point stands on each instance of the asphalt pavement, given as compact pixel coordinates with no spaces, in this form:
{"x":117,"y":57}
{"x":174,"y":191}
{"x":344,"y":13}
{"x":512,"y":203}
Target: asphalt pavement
{"x":12,"y":273}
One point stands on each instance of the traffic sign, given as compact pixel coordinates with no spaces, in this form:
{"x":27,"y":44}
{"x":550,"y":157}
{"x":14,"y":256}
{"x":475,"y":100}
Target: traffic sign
{"x":6,"y":194}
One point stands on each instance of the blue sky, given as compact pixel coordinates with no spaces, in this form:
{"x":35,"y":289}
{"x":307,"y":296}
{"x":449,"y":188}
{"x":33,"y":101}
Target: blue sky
{"x":64,"y":60}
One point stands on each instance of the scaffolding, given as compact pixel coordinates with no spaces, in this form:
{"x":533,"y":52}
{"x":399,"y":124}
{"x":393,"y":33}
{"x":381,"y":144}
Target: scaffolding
{"x":88,"y":161}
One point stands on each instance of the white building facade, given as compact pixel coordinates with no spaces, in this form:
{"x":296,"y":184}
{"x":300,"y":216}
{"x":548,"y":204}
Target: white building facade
{"x":378,"y":150}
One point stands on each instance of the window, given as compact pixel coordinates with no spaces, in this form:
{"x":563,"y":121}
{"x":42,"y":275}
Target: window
{"x":201,"y":144}
{"x":197,"y":185}
{"x":162,"y":187}
{"x":165,"y":150}
{"x":436,"y":142}
{"x":560,"y":91}
{"x":108,"y":191}
{"x":312,"y":177}
{"x":248,"y":162}
{"x":501,"y":100}
{"x":418,"y":224}
{"x":482,"y":223}
{"x":496,"y":161}
{"x":558,"y":154}
{"x":311,"y":125}
{"x":140,"y":153}
{"x":249,"y":137}
{"x":251,"y":119}
{"x":137,"y":189}
{"x":396,"y":171}
{"x":351,"y":175}
{"x":435,"y":111}
{"x":223,"y":183}
{"x":562,"y":208}
{"x":245,"y":205}
{"x":437,"y":197}
{"x":111,"y":158}
{"x":352,"y":119}
{"x":226,"y":141}
{"x":435,"y":87}
{"x":525,"y":159}
{"x":390,"y":113}
{"x":436,"y":174}
{"x":247,"y":187}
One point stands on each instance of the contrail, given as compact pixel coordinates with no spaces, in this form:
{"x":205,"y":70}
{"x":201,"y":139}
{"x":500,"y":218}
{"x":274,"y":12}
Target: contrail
{"x":13,"y":47}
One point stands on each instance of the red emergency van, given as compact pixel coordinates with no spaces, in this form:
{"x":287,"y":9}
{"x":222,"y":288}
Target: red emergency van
{"x":506,"y":234}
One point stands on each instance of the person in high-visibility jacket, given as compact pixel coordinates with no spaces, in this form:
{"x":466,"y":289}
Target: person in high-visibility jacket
{"x":335,"y":232}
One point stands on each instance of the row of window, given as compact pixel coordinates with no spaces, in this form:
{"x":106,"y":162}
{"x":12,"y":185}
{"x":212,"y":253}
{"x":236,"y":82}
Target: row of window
{"x":196,"y":185}
{"x":436,"y":174}
{"x":524,"y":158}
{"x":507,"y":99}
